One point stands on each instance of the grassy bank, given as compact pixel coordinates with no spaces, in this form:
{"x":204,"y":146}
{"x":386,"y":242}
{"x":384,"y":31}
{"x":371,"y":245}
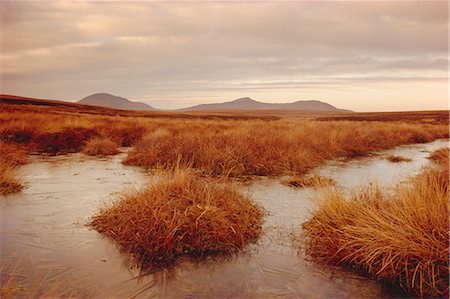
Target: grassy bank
{"x":400,"y":237}
{"x":273,"y":148}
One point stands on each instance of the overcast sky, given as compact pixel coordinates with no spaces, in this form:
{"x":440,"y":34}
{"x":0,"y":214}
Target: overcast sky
{"x":364,"y":56}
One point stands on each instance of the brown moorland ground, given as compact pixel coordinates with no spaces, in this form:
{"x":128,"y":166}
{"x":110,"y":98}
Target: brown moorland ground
{"x":441,"y":116}
{"x":399,"y":237}
{"x":225,"y":143}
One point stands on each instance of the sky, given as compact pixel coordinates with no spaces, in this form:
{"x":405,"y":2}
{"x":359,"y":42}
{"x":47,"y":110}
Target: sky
{"x":363,"y":56}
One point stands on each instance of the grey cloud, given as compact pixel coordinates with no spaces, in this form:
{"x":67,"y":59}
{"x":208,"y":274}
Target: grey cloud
{"x":145,"y":47}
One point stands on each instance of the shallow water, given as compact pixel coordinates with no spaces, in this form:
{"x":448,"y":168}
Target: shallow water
{"x":44,"y":229}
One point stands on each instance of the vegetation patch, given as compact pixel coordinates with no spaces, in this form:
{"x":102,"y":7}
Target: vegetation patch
{"x":8,"y":182}
{"x":181,"y":214}
{"x":397,"y":159}
{"x":309,"y":181}
{"x":13,"y":285}
{"x":272,"y":149}
{"x":221,"y":146}
{"x":11,"y":156}
{"x":99,"y":146}
{"x":400,"y":237}
{"x":68,"y":140}
{"x":440,"y":156}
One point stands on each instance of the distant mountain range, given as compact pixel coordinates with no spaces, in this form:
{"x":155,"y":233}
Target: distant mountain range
{"x":111,"y":101}
{"x":250,"y":104}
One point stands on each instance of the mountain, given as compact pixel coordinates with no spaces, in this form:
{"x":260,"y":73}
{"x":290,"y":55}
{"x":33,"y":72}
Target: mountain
{"x":250,"y":104}
{"x":111,"y":101}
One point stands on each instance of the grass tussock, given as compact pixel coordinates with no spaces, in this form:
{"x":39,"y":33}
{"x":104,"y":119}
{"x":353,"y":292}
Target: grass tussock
{"x":100,"y":147}
{"x":11,"y":156}
{"x":440,"y":156}
{"x":8,"y":182}
{"x":397,"y":159}
{"x":182,"y":214}
{"x":309,"y":181}
{"x":400,"y":237}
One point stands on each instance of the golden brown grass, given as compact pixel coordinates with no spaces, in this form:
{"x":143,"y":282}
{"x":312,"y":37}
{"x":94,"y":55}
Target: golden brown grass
{"x":273,"y":148}
{"x":182,"y":214}
{"x":11,"y":156}
{"x":99,"y":146}
{"x":397,"y":159}
{"x":437,"y":116}
{"x":309,"y":181}
{"x":400,"y":237}
{"x":61,"y":133}
{"x":8,"y":182}
{"x":229,"y":147}
{"x":12,"y":285}
{"x":441,"y":155}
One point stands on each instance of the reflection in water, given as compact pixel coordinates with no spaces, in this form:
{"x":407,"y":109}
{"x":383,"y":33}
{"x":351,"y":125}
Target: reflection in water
{"x":44,"y":227}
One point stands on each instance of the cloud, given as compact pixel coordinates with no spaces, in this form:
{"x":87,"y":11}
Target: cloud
{"x":148,"y":50}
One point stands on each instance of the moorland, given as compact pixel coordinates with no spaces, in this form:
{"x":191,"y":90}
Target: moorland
{"x":196,"y":209}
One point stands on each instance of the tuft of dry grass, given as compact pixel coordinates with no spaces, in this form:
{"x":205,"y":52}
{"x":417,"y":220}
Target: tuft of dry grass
{"x":67,"y":140}
{"x":12,"y":285}
{"x":99,"y":146}
{"x":8,"y":183}
{"x":441,"y":155}
{"x":400,"y":237}
{"x":181,"y":214}
{"x":11,"y":156}
{"x":309,"y":181}
{"x":397,"y":159}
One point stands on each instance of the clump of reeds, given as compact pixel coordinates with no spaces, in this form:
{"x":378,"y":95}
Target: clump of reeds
{"x":12,"y":285}
{"x":70,"y":139}
{"x":400,"y":237}
{"x":8,"y":182}
{"x":11,"y":156}
{"x":397,"y":159}
{"x":308,"y":181}
{"x":181,"y":214}
{"x":99,"y":146}
{"x":441,"y":155}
